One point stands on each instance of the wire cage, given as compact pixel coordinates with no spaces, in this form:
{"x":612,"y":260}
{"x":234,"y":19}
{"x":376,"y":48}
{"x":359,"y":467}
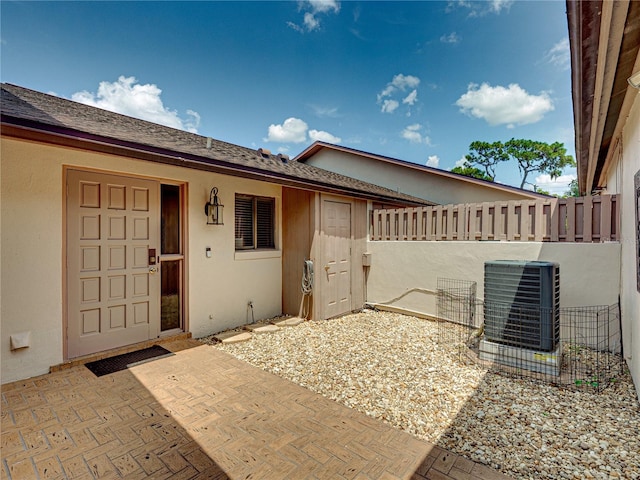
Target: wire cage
{"x":457,"y":311}
{"x":592,"y":346}
{"x":581,"y":348}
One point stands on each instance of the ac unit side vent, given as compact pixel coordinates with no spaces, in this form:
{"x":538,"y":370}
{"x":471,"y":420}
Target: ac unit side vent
{"x":522,"y":303}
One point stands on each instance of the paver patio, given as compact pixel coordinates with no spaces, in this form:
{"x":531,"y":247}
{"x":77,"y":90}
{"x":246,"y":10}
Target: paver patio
{"x":202,"y":414}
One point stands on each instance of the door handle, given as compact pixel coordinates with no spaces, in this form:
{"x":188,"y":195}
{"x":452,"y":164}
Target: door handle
{"x":326,"y":268}
{"x":153,"y":269}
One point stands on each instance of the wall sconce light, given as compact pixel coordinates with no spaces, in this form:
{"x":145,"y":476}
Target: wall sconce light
{"x":213,"y":208}
{"x":634,"y":80}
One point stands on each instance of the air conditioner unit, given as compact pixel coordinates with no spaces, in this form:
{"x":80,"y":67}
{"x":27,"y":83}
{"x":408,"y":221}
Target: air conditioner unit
{"x":522,"y":304}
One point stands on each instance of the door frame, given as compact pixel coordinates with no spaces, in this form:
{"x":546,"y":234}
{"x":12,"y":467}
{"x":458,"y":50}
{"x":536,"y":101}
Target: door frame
{"x":183,"y":237}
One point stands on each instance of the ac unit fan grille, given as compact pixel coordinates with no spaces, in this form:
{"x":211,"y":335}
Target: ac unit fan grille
{"x":521,"y":305}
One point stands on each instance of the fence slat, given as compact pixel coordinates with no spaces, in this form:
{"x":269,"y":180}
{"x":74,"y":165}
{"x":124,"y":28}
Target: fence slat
{"x":426,"y":228}
{"x":571,"y":219}
{"x":422,"y":226}
{"x":525,"y":221}
{"x":437,"y":230}
{"x":484,"y":222}
{"x":605,"y":218}
{"x":538,"y":222}
{"x":588,"y":219}
{"x":554,"y":215}
{"x":376,"y":225}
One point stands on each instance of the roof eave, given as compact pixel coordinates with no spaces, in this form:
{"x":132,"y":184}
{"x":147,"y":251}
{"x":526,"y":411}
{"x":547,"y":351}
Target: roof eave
{"x":604,"y":40}
{"x":20,"y":128}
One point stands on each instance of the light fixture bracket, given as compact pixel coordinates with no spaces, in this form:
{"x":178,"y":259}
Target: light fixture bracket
{"x":634,"y":80}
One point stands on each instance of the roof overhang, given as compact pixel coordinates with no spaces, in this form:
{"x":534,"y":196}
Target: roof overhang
{"x":70,"y":138}
{"x":605,"y":41}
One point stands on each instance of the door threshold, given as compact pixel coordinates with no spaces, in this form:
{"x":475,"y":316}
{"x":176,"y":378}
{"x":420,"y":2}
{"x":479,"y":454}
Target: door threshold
{"x":180,"y":337}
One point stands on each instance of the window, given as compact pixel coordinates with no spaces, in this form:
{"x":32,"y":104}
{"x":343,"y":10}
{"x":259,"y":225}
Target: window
{"x":171,"y":258}
{"x":255,"y":222}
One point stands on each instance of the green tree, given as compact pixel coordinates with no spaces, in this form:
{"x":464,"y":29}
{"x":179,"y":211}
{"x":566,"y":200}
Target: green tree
{"x":543,"y":192}
{"x":485,"y":155}
{"x":533,"y":156}
{"x":470,"y":171}
{"x":574,"y":190}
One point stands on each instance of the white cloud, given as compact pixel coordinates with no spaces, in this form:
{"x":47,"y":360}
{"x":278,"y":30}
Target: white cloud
{"x":404,"y":82}
{"x":313,"y":8}
{"x":399,"y":83}
{"x":498,"y":6}
{"x":324,"y":6}
{"x":411,"y":98}
{"x":453,"y":37}
{"x":557,"y":186}
{"x":292,"y":130}
{"x":414,"y":135}
{"x":388,"y":106}
{"x":504,"y":105}
{"x":433,"y":161}
{"x":461,"y":162}
{"x":319,"y":111}
{"x":128,"y":97}
{"x":479,"y":9}
{"x":318,"y":135}
{"x":560,"y":54}
{"x":310,"y":21}
{"x":388,"y":90}
{"x":193,"y":122}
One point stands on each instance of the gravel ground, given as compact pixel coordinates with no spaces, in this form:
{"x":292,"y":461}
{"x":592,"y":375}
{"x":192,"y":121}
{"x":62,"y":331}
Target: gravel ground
{"x":391,"y":367}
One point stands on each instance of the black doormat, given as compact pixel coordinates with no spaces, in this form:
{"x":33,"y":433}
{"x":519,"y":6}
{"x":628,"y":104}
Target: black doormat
{"x":120,"y":362}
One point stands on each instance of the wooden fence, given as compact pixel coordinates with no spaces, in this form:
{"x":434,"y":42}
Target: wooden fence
{"x":574,"y":219}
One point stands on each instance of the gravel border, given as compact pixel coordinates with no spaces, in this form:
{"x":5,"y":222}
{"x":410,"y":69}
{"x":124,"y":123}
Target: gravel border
{"x":391,"y":367}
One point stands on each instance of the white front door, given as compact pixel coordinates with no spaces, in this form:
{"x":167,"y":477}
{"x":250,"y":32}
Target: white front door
{"x":336,"y":273}
{"x":113,"y":285}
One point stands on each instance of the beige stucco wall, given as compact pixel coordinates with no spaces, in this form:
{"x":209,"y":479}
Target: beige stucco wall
{"x":412,"y":181}
{"x":31,"y":243}
{"x":589,"y":273}
{"x":620,"y":180}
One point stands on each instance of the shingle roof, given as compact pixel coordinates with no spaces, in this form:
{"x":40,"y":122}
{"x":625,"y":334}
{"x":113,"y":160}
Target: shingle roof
{"x":25,"y":108}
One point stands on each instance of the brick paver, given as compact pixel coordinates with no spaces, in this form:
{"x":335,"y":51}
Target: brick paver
{"x":202,"y":414}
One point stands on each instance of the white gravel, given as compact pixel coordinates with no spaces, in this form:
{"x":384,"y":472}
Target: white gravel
{"x":391,"y":367}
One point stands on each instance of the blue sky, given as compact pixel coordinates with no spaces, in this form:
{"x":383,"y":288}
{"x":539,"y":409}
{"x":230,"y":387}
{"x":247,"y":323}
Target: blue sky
{"x":418,"y":81}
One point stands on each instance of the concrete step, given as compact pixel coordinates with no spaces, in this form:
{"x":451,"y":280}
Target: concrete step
{"x":261,"y":328}
{"x":233,"y":336}
{"x":288,"y":322}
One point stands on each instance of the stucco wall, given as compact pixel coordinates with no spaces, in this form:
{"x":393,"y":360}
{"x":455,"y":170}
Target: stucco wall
{"x":630,"y":297}
{"x":589,"y":273}
{"x":31,"y":241}
{"x":412,"y":181}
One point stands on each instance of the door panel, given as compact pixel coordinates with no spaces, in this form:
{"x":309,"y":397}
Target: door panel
{"x":336,"y":228}
{"x":113,"y":295}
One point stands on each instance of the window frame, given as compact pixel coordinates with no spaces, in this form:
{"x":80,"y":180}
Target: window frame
{"x":256,"y":229}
